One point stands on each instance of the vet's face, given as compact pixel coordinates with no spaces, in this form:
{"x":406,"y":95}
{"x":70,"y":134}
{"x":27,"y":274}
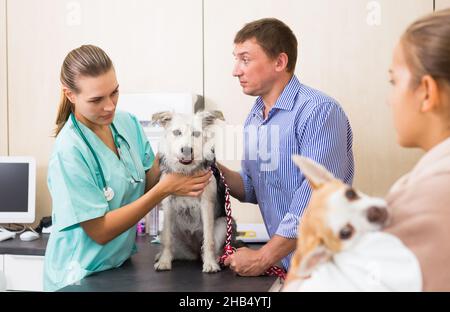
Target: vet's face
{"x":96,"y":101}
{"x":351,"y":213}
{"x":254,"y":69}
{"x":404,"y":100}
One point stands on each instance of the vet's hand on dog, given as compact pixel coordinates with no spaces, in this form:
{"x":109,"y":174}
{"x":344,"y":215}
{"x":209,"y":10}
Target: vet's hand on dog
{"x":246,"y":262}
{"x":183,"y":185}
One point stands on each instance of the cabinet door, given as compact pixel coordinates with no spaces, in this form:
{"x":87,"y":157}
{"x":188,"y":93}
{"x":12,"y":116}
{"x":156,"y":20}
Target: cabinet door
{"x":2,"y":275}
{"x":345,"y":50}
{"x":24,"y":272}
{"x":442,"y":4}
{"x":156,"y":46}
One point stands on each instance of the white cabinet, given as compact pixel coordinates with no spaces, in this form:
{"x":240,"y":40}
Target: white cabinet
{"x":23,"y":273}
{"x":2,"y":275}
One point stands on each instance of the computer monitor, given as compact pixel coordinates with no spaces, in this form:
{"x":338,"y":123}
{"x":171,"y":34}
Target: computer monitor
{"x":17,"y":189}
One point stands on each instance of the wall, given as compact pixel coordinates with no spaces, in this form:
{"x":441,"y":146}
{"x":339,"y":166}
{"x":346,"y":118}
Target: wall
{"x":154,"y":44}
{"x":442,"y":4}
{"x":345,"y":51}
{"x":3,"y":82}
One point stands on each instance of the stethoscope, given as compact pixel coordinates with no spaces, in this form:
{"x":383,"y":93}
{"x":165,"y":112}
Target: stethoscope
{"x":107,"y":190}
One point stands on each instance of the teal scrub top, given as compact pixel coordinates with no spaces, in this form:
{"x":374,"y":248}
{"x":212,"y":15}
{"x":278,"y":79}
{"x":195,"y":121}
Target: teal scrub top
{"x":77,"y":196}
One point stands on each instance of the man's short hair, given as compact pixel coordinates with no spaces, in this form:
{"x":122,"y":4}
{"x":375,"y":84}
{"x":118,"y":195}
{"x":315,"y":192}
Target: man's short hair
{"x":273,"y":36}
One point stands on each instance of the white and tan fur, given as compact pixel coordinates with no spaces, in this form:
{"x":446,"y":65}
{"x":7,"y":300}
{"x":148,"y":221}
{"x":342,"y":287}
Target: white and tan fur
{"x":336,"y":217}
{"x":193,"y":226}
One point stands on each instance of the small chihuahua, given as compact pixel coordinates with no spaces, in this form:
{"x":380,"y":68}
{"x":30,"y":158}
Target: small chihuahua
{"x":336,"y":217}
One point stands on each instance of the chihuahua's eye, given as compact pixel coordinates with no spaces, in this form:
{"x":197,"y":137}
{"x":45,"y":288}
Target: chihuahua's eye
{"x":346,"y":232}
{"x":196,"y":133}
{"x":176,"y":132}
{"x":350,"y":194}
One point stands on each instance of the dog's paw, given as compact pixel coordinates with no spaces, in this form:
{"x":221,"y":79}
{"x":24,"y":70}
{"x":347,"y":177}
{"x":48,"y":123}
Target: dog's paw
{"x":163,"y":265}
{"x":211,"y":267}
{"x":158,"y":255}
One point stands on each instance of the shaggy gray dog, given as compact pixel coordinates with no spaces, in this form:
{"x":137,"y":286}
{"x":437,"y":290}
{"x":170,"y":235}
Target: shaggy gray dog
{"x":193,"y":226}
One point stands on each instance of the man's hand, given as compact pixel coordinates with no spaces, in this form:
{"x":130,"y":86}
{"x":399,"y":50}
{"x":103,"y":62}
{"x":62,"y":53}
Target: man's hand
{"x":247,"y":262}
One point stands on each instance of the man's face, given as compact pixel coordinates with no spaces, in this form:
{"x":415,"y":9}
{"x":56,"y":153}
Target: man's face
{"x":254,"y":69}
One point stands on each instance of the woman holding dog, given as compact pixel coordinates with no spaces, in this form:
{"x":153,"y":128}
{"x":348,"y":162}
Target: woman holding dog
{"x":102,"y":174}
{"x":419,"y":202}
{"x":420,"y":100}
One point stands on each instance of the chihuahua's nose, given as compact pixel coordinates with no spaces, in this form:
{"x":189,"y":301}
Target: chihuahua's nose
{"x":187,"y":151}
{"x":377,"y":215}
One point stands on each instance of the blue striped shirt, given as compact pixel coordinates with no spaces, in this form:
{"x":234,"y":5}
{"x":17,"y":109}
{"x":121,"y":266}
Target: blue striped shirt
{"x":303,"y":121}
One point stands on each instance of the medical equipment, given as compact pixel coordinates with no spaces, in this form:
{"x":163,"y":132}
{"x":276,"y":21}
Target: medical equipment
{"x":108,"y":191}
{"x":17,"y":189}
{"x":29,"y":236}
{"x":5,"y":235}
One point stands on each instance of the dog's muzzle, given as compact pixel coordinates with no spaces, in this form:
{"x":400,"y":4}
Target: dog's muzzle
{"x":187,"y":155}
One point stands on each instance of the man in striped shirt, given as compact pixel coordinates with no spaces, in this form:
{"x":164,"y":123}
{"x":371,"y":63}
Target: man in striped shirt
{"x":287,"y":118}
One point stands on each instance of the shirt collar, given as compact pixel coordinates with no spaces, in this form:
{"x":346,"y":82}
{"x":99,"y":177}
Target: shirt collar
{"x":285,"y":101}
{"x":425,"y":164}
{"x":438,"y":152}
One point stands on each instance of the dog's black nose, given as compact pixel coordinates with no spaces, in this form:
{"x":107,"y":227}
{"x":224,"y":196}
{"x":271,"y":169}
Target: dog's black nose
{"x":187,"y":151}
{"x":377,"y":215}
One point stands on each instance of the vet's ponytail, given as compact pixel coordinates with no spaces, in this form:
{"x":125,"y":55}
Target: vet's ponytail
{"x":87,"y":61}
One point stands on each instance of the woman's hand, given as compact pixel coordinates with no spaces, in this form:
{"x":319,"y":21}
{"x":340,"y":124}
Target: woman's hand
{"x":182,"y":185}
{"x":152,"y":175}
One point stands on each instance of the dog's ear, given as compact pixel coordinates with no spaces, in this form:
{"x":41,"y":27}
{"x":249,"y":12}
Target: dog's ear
{"x":316,"y":174}
{"x":162,"y":118}
{"x":209,"y":117}
{"x":313,"y":259}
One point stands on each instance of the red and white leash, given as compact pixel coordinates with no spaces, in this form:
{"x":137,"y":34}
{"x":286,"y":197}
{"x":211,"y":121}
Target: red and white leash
{"x":228,"y":250}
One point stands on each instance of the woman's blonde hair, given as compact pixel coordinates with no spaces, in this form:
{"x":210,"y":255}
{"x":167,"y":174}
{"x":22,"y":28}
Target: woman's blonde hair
{"x":426,"y":45}
{"x":87,"y":61}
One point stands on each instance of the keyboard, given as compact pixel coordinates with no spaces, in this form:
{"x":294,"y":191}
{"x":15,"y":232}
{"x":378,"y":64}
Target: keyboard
{"x":4,"y":235}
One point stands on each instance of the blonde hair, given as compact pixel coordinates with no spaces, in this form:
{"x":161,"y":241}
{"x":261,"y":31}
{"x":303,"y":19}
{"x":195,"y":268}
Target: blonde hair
{"x":88,"y":61}
{"x":426,"y":45}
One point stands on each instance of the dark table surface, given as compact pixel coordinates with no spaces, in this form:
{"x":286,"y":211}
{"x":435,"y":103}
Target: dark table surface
{"x":17,"y":247}
{"x":138,"y":274}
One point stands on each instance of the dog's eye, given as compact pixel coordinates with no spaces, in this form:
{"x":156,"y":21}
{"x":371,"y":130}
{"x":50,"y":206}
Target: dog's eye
{"x":176,"y":132}
{"x":346,"y":232}
{"x":196,"y":133}
{"x":350,"y":194}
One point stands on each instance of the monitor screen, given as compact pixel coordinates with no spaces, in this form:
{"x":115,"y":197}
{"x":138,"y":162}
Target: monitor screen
{"x":17,"y":189}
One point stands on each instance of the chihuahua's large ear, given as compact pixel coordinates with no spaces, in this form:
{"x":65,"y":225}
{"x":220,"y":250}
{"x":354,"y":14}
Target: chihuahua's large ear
{"x":209,"y":117}
{"x":316,"y":174}
{"x":313,"y":259}
{"x":162,"y":118}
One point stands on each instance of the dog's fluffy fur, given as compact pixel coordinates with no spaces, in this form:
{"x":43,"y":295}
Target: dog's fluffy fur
{"x":335,"y":218}
{"x":193,"y":226}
